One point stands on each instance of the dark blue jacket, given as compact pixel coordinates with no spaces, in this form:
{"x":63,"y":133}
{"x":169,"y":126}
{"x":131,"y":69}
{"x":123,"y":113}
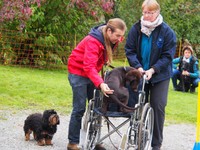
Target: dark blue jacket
{"x":96,"y":32}
{"x":162,"y":51}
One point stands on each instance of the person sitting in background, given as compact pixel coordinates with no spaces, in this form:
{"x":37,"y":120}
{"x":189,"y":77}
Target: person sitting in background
{"x":187,"y":71}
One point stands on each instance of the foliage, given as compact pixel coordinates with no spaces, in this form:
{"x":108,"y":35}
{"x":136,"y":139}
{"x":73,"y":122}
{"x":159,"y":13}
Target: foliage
{"x":69,"y":21}
{"x":66,"y":22}
{"x":128,"y":10}
{"x":66,"y":17}
{"x":21,"y":49}
{"x":184,"y":17}
{"x":17,"y":12}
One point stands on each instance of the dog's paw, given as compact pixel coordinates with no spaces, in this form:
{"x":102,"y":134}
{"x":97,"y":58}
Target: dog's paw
{"x":48,"y":142}
{"x":27,"y":136}
{"x":41,"y":142}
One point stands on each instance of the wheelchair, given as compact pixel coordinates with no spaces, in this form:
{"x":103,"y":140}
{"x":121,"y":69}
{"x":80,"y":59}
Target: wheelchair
{"x":140,"y":122}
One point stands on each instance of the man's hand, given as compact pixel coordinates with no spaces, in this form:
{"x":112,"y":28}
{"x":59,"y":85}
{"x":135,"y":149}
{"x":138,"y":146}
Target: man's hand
{"x":105,"y":89}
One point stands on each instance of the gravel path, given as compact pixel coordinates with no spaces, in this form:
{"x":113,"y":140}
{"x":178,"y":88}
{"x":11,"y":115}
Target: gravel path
{"x":176,"y":136}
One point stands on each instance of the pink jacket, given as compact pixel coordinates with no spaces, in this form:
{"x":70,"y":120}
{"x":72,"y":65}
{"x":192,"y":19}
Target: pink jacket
{"x":87,"y":59}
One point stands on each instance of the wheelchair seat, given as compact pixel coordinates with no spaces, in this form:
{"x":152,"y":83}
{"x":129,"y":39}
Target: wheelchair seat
{"x":113,"y":113}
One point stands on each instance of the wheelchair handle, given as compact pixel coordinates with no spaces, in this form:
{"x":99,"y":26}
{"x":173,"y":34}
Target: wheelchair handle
{"x":144,"y":81}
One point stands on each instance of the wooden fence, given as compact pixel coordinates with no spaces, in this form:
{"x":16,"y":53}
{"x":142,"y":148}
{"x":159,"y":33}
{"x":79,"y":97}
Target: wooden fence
{"x":39,"y":50}
{"x":42,"y":50}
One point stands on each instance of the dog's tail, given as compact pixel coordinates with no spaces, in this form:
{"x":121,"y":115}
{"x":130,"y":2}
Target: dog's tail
{"x":116,"y":100}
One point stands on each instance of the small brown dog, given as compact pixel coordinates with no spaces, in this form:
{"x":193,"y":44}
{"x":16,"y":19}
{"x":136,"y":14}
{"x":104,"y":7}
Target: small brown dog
{"x":43,"y":126}
{"x":117,"y":80}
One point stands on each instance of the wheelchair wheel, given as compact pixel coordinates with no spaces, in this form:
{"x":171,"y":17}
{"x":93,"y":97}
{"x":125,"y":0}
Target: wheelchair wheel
{"x":146,"y":128}
{"x":93,"y":131}
{"x":131,"y":138}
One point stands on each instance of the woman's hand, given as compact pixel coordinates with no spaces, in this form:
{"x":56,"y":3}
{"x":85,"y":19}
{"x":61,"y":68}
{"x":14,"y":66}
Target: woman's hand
{"x":105,"y":89}
{"x":149,"y":73}
{"x":141,"y":70}
{"x":186,"y":73}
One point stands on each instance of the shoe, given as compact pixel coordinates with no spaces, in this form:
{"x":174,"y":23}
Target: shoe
{"x":192,"y":89}
{"x":156,"y":148}
{"x":99,"y":147}
{"x":187,"y":87}
{"x":175,"y":89}
{"x":71,"y":146}
{"x":178,"y":88}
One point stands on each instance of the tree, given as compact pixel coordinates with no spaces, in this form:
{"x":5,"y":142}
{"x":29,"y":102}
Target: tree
{"x":17,"y":10}
{"x":67,"y":21}
{"x":184,"y":17}
{"x":64,"y":21}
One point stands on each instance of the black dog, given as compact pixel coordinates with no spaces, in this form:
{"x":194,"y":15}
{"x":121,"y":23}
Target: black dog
{"x":185,"y":80}
{"x":117,"y":79}
{"x":43,"y":126}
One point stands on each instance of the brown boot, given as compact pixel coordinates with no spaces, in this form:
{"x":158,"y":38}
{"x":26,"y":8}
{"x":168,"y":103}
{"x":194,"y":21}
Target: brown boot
{"x":71,"y":146}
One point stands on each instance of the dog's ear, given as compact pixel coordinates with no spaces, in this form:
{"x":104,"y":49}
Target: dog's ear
{"x":133,"y":77}
{"x":52,"y":111}
{"x":45,"y":113}
{"x":45,"y":117}
{"x":130,"y":75}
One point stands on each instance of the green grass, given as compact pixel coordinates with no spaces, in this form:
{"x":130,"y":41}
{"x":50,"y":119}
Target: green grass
{"x":33,"y":89}
{"x":22,"y":88}
{"x":181,"y":107}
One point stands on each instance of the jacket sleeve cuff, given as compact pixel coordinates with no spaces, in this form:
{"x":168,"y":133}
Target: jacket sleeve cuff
{"x":155,"y":70}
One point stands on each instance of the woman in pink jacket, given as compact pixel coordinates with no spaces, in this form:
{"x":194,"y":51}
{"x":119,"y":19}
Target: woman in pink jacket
{"x":84,"y":65}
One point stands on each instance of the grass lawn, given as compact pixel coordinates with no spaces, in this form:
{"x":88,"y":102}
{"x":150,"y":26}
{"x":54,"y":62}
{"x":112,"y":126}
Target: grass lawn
{"x":181,"y":107}
{"x":23,"y":88}
{"x":34,"y":89}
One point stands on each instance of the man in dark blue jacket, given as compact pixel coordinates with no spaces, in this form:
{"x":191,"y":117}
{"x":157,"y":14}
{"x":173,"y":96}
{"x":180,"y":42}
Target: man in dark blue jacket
{"x":150,"y":47}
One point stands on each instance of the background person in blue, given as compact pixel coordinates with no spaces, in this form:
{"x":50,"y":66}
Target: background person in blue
{"x":150,"y":47}
{"x":186,"y":65}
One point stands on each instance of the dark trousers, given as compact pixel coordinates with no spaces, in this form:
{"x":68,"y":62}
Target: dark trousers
{"x":157,"y":94}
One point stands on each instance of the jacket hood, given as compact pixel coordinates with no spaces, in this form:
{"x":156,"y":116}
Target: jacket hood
{"x":97,"y":33}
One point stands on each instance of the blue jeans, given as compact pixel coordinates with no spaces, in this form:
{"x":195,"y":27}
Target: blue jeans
{"x":175,"y":76}
{"x":82,"y":89}
{"x":196,"y":81}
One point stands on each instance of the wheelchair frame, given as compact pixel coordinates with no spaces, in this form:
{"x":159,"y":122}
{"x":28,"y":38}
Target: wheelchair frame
{"x":139,"y":132}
